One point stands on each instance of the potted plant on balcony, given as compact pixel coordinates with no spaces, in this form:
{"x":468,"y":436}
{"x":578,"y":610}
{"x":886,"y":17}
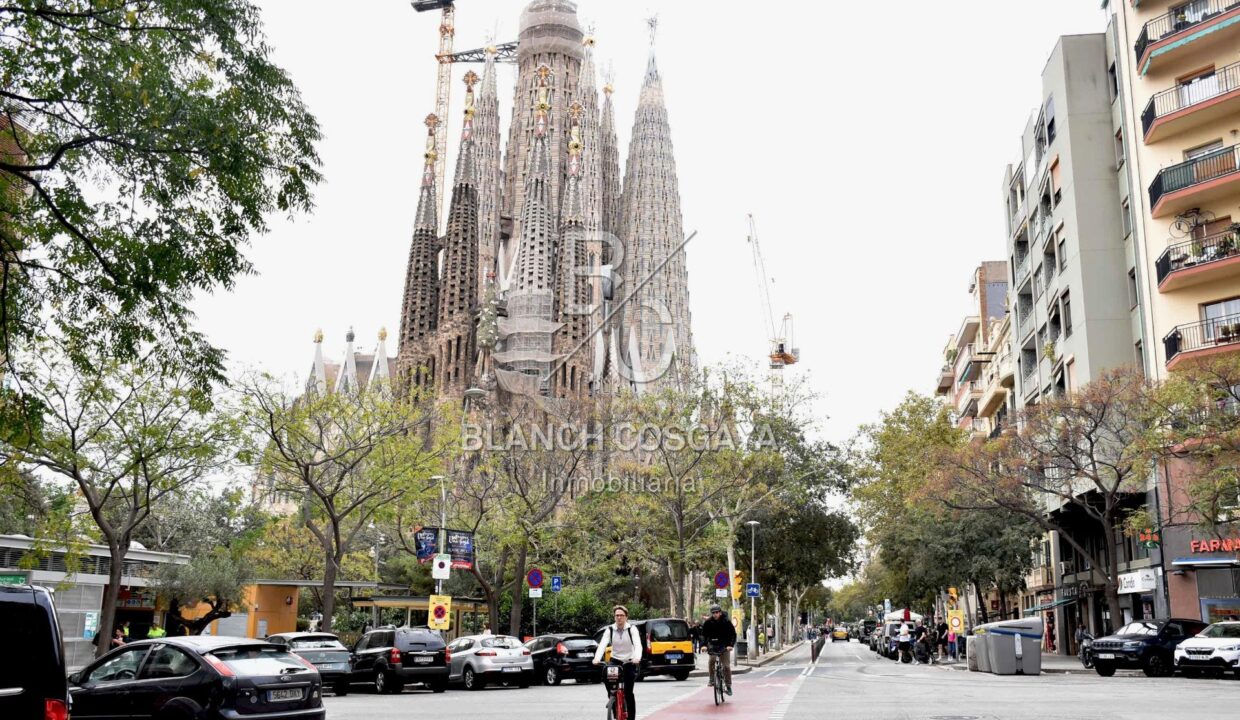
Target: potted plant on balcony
{"x":1048,"y":351}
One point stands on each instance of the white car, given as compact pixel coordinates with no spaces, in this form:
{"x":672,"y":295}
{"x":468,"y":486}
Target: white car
{"x":1214,"y":650}
{"x":478,"y":660}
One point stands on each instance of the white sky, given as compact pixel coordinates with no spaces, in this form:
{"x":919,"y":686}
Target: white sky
{"x":868,"y":139}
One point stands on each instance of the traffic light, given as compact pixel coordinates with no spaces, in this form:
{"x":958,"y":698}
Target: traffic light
{"x":738,"y":585}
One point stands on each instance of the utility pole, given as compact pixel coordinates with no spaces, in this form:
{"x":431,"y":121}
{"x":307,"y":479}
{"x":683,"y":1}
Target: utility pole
{"x":443,"y":529}
{"x":753,"y":578}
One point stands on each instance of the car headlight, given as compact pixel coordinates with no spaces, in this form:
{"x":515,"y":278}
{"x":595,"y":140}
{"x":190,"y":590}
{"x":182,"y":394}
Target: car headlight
{"x":1230,"y":648}
{"x":1132,"y":645}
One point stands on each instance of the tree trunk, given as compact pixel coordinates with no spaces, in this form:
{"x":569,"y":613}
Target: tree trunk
{"x":981,"y":603}
{"x":518,"y":597}
{"x":330,"y":569}
{"x":107,"y":619}
{"x":489,"y":592}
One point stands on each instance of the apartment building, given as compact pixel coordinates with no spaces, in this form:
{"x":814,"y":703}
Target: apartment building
{"x":969,"y":379}
{"x":1176,"y":73}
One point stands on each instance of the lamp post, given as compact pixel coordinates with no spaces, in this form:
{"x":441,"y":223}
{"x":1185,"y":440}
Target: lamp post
{"x":752,"y":640}
{"x":443,"y":522}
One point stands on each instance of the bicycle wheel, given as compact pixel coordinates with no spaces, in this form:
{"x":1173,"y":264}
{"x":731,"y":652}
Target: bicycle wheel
{"x":621,"y":706}
{"x":718,"y":691}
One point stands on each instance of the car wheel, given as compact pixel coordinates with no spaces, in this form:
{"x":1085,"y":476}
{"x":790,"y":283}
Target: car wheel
{"x":381,"y":682}
{"x":341,"y":688}
{"x":1156,"y":666}
{"x":681,"y":675}
{"x":439,"y":685}
{"x":1104,"y":669}
{"x":526,"y":679}
{"x":551,"y":676}
{"x":471,"y":680}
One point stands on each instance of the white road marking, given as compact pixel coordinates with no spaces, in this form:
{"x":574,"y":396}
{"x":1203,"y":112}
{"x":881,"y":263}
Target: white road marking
{"x":771,"y":673}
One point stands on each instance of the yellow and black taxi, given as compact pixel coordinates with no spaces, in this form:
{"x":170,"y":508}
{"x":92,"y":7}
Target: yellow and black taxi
{"x":667,"y":647}
{"x":840,"y":632}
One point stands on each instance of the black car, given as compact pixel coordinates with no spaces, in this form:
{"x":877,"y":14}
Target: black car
{"x":325,"y":651}
{"x":32,"y":680}
{"x":391,"y":657}
{"x":564,"y":655}
{"x":202,"y":677}
{"x":1148,"y":645}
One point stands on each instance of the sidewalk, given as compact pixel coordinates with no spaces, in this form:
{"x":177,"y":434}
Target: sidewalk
{"x":1051,"y":665}
{"x":743,"y":666}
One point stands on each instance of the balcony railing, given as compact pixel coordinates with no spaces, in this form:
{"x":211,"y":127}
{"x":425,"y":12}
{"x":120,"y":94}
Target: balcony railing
{"x":1220,"y":163}
{"x":1199,"y":251}
{"x":1180,"y":19}
{"x":1212,"y":333}
{"x":1223,"y":81}
{"x":1022,"y":267}
{"x":1024,"y":321}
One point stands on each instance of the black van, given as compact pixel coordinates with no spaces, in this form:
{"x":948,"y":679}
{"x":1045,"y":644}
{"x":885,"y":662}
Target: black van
{"x":32,"y":670}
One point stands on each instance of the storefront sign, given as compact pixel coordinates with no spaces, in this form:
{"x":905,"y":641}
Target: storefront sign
{"x":1149,"y":538}
{"x":15,"y":578}
{"x":1215,"y":545}
{"x":1137,"y":582}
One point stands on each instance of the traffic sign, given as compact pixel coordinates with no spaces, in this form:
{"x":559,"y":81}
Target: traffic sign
{"x":441,"y":612}
{"x":441,"y":569}
{"x":557,"y":583}
{"x":535,"y":592}
{"x":534,"y":577}
{"x":753,"y":590}
{"x":721,"y":592}
{"x":721,"y":580}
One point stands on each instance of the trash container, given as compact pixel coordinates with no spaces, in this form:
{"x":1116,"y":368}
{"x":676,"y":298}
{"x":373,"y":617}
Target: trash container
{"x":969,"y":651}
{"x":1015,"y":646}
{"x":742,"y":648}
{"x":978,"y":648}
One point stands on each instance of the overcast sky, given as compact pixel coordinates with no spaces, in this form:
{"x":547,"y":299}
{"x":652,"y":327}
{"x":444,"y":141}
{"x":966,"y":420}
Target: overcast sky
{"x":868,"y":139}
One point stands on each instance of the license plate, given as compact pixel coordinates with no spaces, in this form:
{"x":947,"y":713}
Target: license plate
{"x":1106,"y":656}
{"x":585,"y":654}
{"x":334,"y":666}
{"x":674,"y":656}
{"x":284,"y":695}
{"x":423,"y":659}
{"x":512,"y":669}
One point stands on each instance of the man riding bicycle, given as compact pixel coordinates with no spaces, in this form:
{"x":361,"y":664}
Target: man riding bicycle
{"x":719,"y":636}
{"x":626,"y":648}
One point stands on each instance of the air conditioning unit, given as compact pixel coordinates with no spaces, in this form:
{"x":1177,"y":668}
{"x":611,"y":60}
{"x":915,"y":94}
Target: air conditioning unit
{"x":1066,"y":567}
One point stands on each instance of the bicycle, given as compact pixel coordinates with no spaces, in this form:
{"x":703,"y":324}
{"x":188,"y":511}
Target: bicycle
{"x":613,"y":677}
{"x":720,"y":659}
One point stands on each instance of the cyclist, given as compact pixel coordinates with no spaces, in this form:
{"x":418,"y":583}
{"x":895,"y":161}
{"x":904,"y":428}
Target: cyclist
{"x":719,"y":636}
{"x":626,"y":648}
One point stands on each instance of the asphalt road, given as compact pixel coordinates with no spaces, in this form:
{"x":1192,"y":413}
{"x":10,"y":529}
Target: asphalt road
{"x":848,"y":682}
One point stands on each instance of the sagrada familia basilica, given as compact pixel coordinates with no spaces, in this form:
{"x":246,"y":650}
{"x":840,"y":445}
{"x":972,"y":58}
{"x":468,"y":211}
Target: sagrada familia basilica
{"x":552,"y":276}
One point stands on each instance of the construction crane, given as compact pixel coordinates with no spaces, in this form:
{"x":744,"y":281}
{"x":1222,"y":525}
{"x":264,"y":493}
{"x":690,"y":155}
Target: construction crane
{"x":443,"y":87}
{"x":783,"y":351}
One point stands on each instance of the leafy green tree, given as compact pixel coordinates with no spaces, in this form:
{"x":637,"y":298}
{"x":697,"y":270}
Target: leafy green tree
{"x":199,"y":517}
{"x":155,"y":138}
{"x":215,"y":578}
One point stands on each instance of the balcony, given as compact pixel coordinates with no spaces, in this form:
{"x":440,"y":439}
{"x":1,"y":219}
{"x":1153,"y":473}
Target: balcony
{"x":1194,"y":183}
{"x":1191,"y":105}
{"x":1024,"y":323}
{"x":967,"y":396}
{"x":947,"y":378}
{"x":1192,"y":24}
{"x":1040,"y":577}
{"x":1198,"y":261}
{"x":1022,"y":268}
{"x":1200,"y":339}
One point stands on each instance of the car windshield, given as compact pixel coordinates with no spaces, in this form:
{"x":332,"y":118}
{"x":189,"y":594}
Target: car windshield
{"x":1222,"y":630}
{"x":260,"y":661}
{"x":1138,"y":628}
{"x":316,"y":643}
{"x":501,"y":641}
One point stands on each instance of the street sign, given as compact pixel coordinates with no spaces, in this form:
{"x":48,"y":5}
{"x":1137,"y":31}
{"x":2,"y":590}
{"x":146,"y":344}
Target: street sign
{"x":721,"y":592}
{"x":441,"y":612}
{"x":535,"y":592}
{"x":753,"y":590}
{"x":534,"y":577}
{"x":442,"y":568}
{"x":20,"y":577}
{"x":887,"y":605}
{"x":557,"y":583}
{"x":721,"y":580}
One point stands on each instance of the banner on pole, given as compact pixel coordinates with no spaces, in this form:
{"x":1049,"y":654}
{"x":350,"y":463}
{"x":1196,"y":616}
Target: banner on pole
{"x":460,"y":546}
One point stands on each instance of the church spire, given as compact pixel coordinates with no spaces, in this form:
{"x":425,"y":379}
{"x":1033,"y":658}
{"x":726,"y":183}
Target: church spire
{"x":418,"y":310}
{"x":488,"y":157}
{"x":572,"y":281}
{"x":536,"y":249}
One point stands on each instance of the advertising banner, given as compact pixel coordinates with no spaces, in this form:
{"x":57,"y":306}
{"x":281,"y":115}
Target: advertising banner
{"x":460,"y":545}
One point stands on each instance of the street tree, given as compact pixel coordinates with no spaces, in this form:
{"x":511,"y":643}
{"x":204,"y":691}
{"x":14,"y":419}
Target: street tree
{"x":203,"y":517}
{"x":154,"y":140}
{"x":123,"y":435}
{"x":215,"y":578}
{"x":350,"y":457}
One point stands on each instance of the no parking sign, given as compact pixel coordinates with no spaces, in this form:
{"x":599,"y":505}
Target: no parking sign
{"x":440,"y":612}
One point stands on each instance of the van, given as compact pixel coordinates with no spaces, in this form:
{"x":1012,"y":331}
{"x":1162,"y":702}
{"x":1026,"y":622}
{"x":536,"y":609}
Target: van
{"x":32,"y":671}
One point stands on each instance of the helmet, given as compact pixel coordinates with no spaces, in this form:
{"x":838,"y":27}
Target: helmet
{"x":716,"y":608}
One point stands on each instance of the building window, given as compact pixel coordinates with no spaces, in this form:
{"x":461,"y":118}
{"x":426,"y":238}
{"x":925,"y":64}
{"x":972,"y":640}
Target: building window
{"x":1140,"y":355}
{"x":1050,"y":120}
{"x":1113,"y":76}
{"x":1119,"y":148}
{"x":1220,"y":314}
{"x":1125,"y":218}
{"x":1063,"y":253}
{"x":1132,"y":288}
{"x":1066,"y":311}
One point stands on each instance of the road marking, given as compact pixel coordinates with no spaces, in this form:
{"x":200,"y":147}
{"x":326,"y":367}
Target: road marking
{"x":781,"y":708}
{"x":674,"y":701}
{"x":771,"y":673}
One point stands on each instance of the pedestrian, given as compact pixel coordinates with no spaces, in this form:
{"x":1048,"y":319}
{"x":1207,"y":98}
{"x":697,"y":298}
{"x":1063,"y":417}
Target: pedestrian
{"x":156,"y":632}
{"x":951,"y":644}
{"x":486,"y":629}
{"x":125,"y":630}
{"x":762,"y":639}
{"x":1079,"y":636}
{"x":118,"y":638}
{"x":942,"y":636}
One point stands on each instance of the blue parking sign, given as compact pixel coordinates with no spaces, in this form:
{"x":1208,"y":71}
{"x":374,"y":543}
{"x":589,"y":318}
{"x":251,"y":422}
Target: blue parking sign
{"x":557,"y":583}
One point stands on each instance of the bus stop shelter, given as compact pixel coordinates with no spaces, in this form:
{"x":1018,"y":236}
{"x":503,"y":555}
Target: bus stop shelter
{"x":417,"y":610}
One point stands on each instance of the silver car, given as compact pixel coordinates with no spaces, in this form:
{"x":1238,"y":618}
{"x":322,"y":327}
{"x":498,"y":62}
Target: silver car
{"x":478,"y":660}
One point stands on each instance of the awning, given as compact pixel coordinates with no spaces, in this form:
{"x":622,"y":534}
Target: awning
{"x":1207,"y":561}
{"x":1049,"y":605}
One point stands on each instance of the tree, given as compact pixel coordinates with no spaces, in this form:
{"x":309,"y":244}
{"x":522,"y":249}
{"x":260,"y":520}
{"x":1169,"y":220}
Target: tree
{"x":284,"y":548}
{"x":125,"y":435}
{"x":198,"y":517}
{"x":154,"y":139}
{"x":1076,"y":460}
{"x":216,"y":578}
{"x":353,"y":457}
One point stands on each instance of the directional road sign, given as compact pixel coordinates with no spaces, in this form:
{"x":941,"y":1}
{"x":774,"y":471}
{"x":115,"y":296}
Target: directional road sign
{"x":753,"y":590}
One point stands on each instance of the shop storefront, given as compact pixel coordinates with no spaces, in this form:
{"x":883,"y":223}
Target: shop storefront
{"x":1136,"y":594}
{"x":1204,"y":581}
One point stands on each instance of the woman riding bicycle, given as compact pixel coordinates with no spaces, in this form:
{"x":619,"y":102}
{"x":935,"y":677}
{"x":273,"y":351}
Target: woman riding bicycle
{"x":626,"y":648}
{"x":719,"y":636}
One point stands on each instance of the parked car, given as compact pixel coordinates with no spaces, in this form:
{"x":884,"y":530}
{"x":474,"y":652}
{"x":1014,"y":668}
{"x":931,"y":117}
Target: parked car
{"x":325,"y":651}
{"x":32,"y":679}
{"x":1214,"y":650}
{"x":1145,"y":644}
{"x":839,"y":633}
{"x":198,"y":676}
{"x":390,"y":658}
{"x":564,"y":655}
{"x":478,"y":660}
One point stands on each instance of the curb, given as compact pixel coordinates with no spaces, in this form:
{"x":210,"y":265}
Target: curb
{"x":1045,"y":671}
{"x":744,"y":668}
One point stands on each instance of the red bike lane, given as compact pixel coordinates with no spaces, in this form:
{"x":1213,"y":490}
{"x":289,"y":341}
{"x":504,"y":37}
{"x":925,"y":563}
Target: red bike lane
{"x":753,"y":698}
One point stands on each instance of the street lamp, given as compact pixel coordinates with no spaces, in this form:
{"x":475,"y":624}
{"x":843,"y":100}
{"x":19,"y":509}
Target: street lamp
{"x":443,"y":523}
{"x":753,"y":578}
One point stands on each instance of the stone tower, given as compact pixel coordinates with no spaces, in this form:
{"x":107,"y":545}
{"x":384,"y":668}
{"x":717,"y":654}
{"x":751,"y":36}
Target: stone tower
{"x":420,"y":308}
{"x":656,"y":322}
{"x":487,"y":153}
{"x":572,"y":282}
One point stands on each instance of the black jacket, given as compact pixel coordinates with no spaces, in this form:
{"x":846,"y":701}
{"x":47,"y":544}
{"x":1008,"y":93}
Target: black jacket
{"x":718,"y":634}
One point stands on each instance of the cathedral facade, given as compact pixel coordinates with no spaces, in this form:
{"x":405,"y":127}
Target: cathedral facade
{"x":551,"y":277}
